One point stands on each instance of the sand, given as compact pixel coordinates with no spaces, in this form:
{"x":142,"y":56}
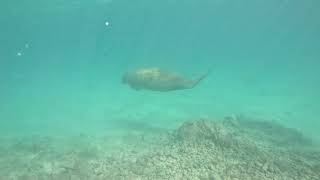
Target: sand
{"x":235,"y":147}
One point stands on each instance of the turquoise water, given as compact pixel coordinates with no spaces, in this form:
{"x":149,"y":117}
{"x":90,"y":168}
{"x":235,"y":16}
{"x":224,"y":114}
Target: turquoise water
{"x":61,"y":65}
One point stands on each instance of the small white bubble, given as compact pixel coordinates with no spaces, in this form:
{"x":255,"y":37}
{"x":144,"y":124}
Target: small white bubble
{"x":19,"y":54}
{"x":107,"y":23}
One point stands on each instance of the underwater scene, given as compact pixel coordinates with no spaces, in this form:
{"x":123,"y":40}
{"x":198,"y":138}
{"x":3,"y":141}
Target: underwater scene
{"x":159,"y":90}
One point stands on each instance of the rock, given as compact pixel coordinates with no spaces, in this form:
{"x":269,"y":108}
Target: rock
{"x":206,"y":131}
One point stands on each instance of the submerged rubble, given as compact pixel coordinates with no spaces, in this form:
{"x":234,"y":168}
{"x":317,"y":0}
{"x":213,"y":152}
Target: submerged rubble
{"x":234,"y":148}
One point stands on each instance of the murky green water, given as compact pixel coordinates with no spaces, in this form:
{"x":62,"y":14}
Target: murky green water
{"x":61,"y":65}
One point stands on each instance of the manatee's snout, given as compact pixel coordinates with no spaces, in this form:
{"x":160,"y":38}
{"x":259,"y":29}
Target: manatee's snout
{"x":124,"y":78}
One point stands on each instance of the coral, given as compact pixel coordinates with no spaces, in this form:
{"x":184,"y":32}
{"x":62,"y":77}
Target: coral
{"x":234,"y":148}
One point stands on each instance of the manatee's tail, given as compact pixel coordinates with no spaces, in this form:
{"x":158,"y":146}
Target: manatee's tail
{"x":199,"y":79}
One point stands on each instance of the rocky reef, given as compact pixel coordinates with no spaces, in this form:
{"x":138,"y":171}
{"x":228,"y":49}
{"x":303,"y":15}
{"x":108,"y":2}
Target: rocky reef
{"x":233,"y":148}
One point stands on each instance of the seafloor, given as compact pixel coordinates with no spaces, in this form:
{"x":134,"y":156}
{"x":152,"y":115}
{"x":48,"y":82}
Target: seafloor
{"x":235,"y":148}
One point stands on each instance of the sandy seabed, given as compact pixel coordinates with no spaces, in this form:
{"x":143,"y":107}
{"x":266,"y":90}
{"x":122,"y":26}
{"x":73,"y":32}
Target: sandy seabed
{"x":235,"y":148}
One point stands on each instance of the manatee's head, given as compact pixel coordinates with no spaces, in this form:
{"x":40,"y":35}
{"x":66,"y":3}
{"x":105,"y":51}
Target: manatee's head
{"x":125,"y":78}
{"x":131,"y":79}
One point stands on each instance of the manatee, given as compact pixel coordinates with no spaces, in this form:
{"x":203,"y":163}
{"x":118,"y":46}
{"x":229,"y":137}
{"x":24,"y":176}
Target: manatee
{"x":156,"y":79}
